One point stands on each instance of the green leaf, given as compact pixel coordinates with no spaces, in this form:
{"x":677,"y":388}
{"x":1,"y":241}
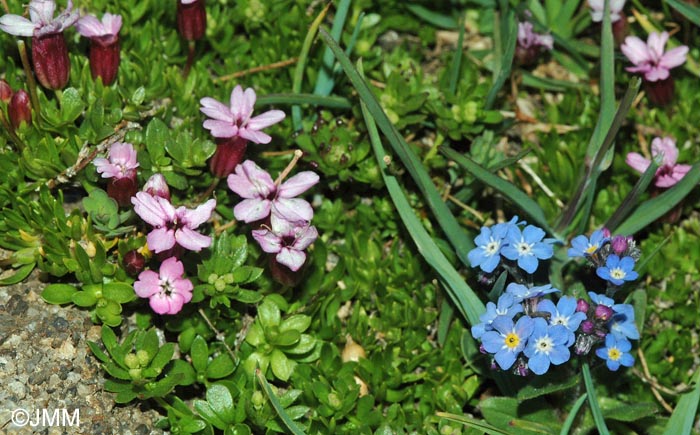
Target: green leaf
{"x":281,"y":366}
{"x":473,"y":423}
{"x":149,"y":342}
{"x":157,"y":135}
{"x":324,"y":81}
{"x":163,"y":357}
{"x":220,"y":367}
{"x":692,"y":13}
{"x":269,"y":314}
{"x":331,"y":102}
{"x":109,"y":339}
{"x":286,"y":338}
{"x":507,"y":51}
{"x":286,"y":419}
{"x":654,"y":208}
{"x":593,"y":399}
{"x":221,"y":402}
{"x":19,"y":275}
{"x":72,"y":105}
{"x":58,"y":293}
{"x":507,"y":189}
{"x":683,"y":417}
{"x":119,"y":292}
{"x":296,"y":322}
{"x":84,"y":299}
{"x":199,"y":352}
{"x":431,"y":17}
{"x":99,"y":354}
{"x":633,"y":196}
{"x":205,"y":410}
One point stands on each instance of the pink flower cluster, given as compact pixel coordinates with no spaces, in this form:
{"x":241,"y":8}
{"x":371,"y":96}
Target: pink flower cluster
{"x":285,"y":228}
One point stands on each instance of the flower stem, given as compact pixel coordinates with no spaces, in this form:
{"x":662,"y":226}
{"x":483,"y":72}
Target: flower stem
{"x":219,"y":336}
{"x":290,"y":166}
{"x":30,"y":78}
{"x":209,"y":191}
{"x":190,"y":58}
{"x":11,"y":132}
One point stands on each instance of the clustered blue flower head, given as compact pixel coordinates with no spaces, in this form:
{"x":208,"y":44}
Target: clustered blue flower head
{"x":613,"y":257}
{"x":525,"y":247}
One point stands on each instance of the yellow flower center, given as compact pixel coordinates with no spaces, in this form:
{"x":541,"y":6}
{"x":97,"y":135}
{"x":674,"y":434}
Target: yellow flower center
{"x":591,"y":249}
{"x":512,"y":340}
{"x":614,"y":354}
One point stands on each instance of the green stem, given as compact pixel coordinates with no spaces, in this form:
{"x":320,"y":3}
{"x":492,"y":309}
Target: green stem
{"x":593,"y":400}
{"x":30,"y":78}
{"x":190,"y":58}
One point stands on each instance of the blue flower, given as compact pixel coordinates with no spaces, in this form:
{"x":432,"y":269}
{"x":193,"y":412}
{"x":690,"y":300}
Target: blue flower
{"x":507,"y":340}
{"x":487,"y":253}
{"x":506,"y":307}
{"x":527,"y":247}
{"x":564,"y":314}
{"x":582,"y":246}
{"x":601,"y":299}
{"x":522,"y":292}
{"x":546,"y":345}
{"x":616,"y":352}
{"x":617,"y":270}
{"x":622,"y":324}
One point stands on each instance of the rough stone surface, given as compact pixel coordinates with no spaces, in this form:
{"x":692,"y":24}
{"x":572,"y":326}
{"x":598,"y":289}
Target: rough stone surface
{"x":46,"y":364}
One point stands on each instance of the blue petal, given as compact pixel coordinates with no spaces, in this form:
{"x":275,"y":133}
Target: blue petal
{"x":539,"y":364}
{"x":559,"y":355}
{"x":528,"y":264}
{"x":505,"y":359}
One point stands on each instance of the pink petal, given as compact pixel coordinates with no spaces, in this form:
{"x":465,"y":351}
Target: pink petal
{"x":176,"y":303}
{"x":305,"y":238}
{"x":192,"y":240}
{"x":171,"y":269}
{"x":112,"y":23}
{"x":124,"y":154}
{"x":674,"y":57}
{"x":236,"y":103}
{"x":251,"y":210}
{"x":216,"y":110}
{"x":636,"y":50}
{"x":637,"y":162}
{"x":291,"y":258}
{"x":152,"y":209}
{"x":254,"y":135}
{"x":201,"y":214}
{"x":250,"y":181}
{"x":293,"y":209}
{"x":665,"y":181}
{"x":160,"y":304}
{"x":147,"y":284}
{"x":247,"y":106}
{"x":667,"y":147}
{"x":160,"y":239}
{"x":297,"y":184}
{"x":17,"y":25}
{"x":268,"y":241}
{"x":41,"y":11}
{"x":656,"y":43}
{"x":89,"y":27}
{"x":183,"y":288}
{"x":656,"y":73}
{"x":265,"y":119}
{"x":107,"y":169}
{"x":221,"y":128}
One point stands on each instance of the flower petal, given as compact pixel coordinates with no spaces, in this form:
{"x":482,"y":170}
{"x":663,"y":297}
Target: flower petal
{"x":656,"y":43}
{"x":147,"y":284}
{"x":268,"y":241}
{"x":216,"y":110}
{"x":192,"y":240}
{"x":89,"y":26}
{"x":667,"y":147}
{"x":160,"y":303}
{"x":674,"y":57}
{"x":305,"y":238}
{"x":201,"y":214}
{"x":637,"y":162}
{"x":17,"y":25}
{"x":222,"y":129}
{"x":251,"y":210}
{"x":160,"y":239}
{"x":636,"y":50}
{"x":293,"y":209}
{"x":297,"y":184}
{"x":254,"y":135}
{"x":251,"y":181}
{"x":291,"y":258}
{"x":265,"y":119}
{"x":171,"y":269}
{"x":153,"y":210}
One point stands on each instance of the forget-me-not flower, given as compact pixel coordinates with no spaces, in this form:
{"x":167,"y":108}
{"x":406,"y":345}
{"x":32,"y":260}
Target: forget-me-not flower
{"x":522,"y":292}
{"x":565,"y":314}
{"x":582,"y":246}
{"x":487,"y":254}
{"x":617,"y":270}
{"x":527,"y":247}
{"x":547,"y":345}
{"x":622,"y":324}
{"x":507,"y":339}
{"x":616,"y":352}
{"x":506,"y":306}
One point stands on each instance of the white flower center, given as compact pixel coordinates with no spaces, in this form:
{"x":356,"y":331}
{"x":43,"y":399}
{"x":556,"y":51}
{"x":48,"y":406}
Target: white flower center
{"x":492,"y":247}
{"x":560,"y":320}
{"x":544,"y":344}
{"x":524,"y":248}
{"x":617,"y":273}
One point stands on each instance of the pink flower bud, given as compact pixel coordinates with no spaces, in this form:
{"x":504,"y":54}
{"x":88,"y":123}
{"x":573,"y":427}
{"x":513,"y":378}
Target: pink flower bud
{"x":582,"y":306}
{"x":603,"y":313}
{"x":20,"y":109}
{"x":5,"y":92}
{"x":229,"y":153}
{"x":50,"y":59}
{"x":619,"y":244}
{"x":587,"y":326}
{"x":157,"y":186}
{"x":606,"y":233}
{"x":134,"y":262}
{"x":191,"y":19}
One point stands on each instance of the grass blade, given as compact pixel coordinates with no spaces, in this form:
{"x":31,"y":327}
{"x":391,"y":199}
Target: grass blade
{"x":457,"y":60}
{"x":325,"y":82}
{"x":566,"y":427}
{"x":316,"y":100}
{"x":654,"y":208}
{"x":506,"y":59}
{"x":473,"y":423}
{"x":593,"y":400}
{"x":431,"y":17}
{"x":631,"y":199}
{"x":692,"y":13}
{"x":301,"y":64}
{"x":507,"y":189}
{"x":463,"y":297}
{"x":277,"y":405}
{"x":455,"y":234}
{"x":683,"y":417}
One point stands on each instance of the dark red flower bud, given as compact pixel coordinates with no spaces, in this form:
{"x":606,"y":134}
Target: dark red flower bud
{"x":660,"y":92}
{"x":5,"y":92}
{"x":122,"y":189}
{"x":603,"y":312}
{"x":104,"y":58}
{"x":283,"y":275}
{"x":229,"y":153}
{"x":20,"y":109}
{"x":134,"y":262}
{"x":191,"y":19}
{"x":50,"y":58}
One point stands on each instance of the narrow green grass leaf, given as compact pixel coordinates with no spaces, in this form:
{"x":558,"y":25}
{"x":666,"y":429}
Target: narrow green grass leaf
{"x":507,"y":189}
{"x":656,"y":207}
{"x":325,"y":82}
{"x":455,"y":234}
{"x":463,"y":297}
{"x":692,"y":13}
{"x":432,"y":17}
{"x":593,"y":400}
{"x":301,"y":64}
{"x":316,"y":100}
{"x":566,"y":427}
{"x":631,"y":199}
{"x":683,"y":417}
{"x":473,"y":422}
{"x":286,"y":419}
{"x":507,"y":49}
{"x":548,"y":84}
{"x":457,"y":60}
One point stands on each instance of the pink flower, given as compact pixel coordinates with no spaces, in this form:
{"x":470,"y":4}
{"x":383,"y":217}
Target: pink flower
{"x":261,"y":196}
{"x":650,"y":58}
{"x":527,"y":38}
{"x":172,"y":226}
{"x":669,"y":173}
{"x":121,"y":163}
{"x":288,"y":240}
{"x":90,"y":27}
{"x":598,"y":6}
{"x":236,"y":121}
{"x":104,"y":45}
{"x":167,"y":290}
{"x":41,"y":21}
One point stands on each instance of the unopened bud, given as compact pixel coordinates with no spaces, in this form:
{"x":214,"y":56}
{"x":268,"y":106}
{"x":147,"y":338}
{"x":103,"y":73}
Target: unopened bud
{"x":191,"y":19}
{"x":587,"y":326}
{"x":50,"y":59}
{"x":134,"y":262}
{"x":157,"y":186}
{"x":20,"y":109}
{"x":603,"y":312}
{"x":619,"y":244}
{"x":5,"y":92}
{"x":104,"y":58}
{"x":582,"y":306}
{"x":122,"y":189}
